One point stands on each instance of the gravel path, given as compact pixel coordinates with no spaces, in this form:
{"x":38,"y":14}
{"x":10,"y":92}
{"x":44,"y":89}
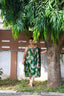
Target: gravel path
{"x":31,"y":94}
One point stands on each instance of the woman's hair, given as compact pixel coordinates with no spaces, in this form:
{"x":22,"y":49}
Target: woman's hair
{"x":31,"y":38}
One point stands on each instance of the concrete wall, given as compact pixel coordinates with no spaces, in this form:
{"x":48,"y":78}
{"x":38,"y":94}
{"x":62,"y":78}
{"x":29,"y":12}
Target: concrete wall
{"x":5,"y":63}
{"x":44,"y":74}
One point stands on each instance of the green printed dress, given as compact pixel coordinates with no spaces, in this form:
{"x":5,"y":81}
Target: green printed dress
{"x":32,"y":63}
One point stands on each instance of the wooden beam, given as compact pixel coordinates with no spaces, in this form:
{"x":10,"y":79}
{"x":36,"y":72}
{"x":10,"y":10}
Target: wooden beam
{"x":13,"y":74}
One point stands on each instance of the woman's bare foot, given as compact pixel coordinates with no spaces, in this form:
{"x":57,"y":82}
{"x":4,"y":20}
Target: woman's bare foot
{"x":30,"y":85}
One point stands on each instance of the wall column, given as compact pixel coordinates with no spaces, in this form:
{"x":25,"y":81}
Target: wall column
{"x":13,"y":73}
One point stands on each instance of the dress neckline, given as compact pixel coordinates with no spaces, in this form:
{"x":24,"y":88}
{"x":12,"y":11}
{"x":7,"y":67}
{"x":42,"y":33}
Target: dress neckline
{"x":33,"y":47}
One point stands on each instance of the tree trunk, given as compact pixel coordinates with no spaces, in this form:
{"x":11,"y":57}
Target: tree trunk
{"x":53,"y":60}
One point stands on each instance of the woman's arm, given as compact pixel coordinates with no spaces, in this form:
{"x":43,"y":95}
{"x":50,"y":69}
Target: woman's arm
{"x":43,"y":51}
{"x":40,"y":49}
{"x":24,"y":55}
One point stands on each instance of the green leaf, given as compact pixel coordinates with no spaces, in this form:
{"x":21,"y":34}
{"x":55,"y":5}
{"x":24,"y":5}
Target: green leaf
{"x":45,"y":33}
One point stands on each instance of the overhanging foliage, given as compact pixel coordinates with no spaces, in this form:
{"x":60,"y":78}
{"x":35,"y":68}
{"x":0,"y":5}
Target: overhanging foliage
{"x":44,"y":17}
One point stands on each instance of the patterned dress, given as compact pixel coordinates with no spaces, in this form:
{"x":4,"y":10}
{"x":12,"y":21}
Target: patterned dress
{"x":32,"y":63}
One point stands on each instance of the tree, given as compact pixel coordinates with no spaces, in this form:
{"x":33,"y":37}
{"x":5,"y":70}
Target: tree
{"x":46,"y":19}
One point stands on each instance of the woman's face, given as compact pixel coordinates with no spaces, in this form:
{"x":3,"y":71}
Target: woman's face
{"x":30,"y":41}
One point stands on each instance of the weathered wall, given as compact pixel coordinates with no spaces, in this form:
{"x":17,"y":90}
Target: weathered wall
{"x":5,"y":60}
{"x":44,"y":75}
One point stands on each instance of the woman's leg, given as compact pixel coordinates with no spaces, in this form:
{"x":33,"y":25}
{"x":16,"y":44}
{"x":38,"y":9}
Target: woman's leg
{"x":31,"y":81}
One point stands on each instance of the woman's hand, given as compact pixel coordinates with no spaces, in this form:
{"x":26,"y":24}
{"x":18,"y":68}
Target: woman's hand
{"x":43,"y":51}
{"x":24,"y":55}
{"x":23,"y":61}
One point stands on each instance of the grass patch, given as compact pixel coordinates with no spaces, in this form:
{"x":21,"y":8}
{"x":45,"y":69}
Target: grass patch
{"x":39,"y":86}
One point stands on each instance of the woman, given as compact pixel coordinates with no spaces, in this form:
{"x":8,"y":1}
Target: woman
{"x":32,"y":61}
